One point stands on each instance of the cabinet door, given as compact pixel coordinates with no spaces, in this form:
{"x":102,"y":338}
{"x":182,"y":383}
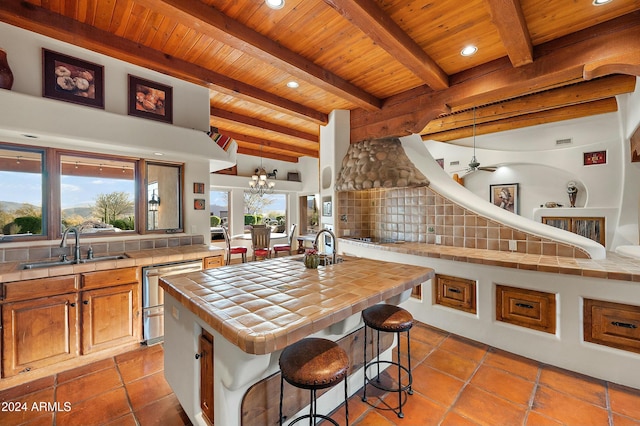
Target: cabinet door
{"x":110,"y":317}
{"x":206,"y":375}
{"x":39,"y":332}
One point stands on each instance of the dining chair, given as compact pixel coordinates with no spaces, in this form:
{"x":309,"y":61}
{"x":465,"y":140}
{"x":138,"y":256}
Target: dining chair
{"x":233,"y":250}
{"x":261,"y":242}
{"x":277,"y":248}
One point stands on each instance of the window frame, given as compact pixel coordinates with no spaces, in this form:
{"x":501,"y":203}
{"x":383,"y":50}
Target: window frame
{"x":51,"y":171}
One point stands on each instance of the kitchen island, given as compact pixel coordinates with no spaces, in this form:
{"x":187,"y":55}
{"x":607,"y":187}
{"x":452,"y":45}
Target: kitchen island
{"x":254,"y":310}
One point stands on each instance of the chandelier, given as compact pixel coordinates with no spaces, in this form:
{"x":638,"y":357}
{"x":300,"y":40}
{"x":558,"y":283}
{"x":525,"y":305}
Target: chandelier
{"x":260,"y":183}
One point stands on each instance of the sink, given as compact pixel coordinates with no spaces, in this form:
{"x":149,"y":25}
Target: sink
{"x":60,"y":262}
{"x":325,"y":259}
{"x":45,"y":264}
{"x":100,"y":258}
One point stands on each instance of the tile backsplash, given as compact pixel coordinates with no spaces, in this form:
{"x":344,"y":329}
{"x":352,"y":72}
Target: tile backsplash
{"x":51,"y":249}
{"x":420,"y":214}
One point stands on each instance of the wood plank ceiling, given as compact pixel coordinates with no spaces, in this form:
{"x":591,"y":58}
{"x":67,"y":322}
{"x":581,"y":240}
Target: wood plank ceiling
{"x":395,"y":64}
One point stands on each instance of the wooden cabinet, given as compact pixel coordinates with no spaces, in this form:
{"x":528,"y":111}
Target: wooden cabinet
{"x":110,"y":317}
{"x":212,"y":262}
{"x":206,"y":375}
{"x":39,"y":332}
{"x":589,"y":227}
{"x":110,"y":309}
{"x":612,"y":324}
{"x":49,"y":320}
{"x":454,"y":292}
{"x":526,"y":308}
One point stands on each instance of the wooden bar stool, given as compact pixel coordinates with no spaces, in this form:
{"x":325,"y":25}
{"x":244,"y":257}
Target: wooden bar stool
{"x":390,"y":319}
{"x":313,"y":364}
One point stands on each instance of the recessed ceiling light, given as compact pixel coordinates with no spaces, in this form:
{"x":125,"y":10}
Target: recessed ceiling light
{"x":469,"y":50}
{"x":158,"y":153}
{"x":275,"y":4}
{"x":293,"y":84}
{"x":600,"y":2}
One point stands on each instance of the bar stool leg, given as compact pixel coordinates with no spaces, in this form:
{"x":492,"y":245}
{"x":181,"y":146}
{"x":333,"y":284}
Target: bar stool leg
{"x":400,"y":413}
{"x":410,"y":390}
{"x":281,"y":396}
{"x":364,"y":390}
{"x":378,"y":354}
{"x":346,"y":402}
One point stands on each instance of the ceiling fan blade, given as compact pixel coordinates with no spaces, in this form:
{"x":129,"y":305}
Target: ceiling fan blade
{"x":487,"y":169}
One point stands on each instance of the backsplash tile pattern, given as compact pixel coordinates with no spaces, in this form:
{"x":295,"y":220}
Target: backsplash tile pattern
{"x":420,"y":214}
{"x":52,"y":249}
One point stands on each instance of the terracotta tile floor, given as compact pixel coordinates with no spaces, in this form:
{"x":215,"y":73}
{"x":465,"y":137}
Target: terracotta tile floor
{"x":457,"y":382}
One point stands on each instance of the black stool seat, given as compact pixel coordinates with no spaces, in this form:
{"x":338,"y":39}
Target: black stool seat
{"x":387,"y":318}
{"x":314,"y":363}
{"x":390,"y":319}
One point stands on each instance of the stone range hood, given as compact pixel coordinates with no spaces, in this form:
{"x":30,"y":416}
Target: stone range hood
{"x":378,"y":163}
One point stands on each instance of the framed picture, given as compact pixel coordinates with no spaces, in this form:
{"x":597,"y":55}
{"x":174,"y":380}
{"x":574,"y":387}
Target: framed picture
{"x":596,"y":157}
{"x":198,"y":188}
{"x":73,"y":80}
{"x":151,"y":100}
{"x":199,"y":203}
{"x":505,"y":196}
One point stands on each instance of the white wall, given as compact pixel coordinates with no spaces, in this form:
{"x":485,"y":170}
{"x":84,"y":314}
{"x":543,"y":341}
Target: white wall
{"x":531,"y":158}
{"x":24,"y":53}
{"x":70,"y":126}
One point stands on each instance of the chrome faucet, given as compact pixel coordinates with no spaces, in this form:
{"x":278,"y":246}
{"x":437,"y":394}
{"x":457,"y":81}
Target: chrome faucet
{"x":63,"y":243}
{"x":334,"y":243}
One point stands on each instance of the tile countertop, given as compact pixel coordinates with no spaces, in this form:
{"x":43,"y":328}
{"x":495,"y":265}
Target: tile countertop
{"x":614,"y":267}
{"x":9,"y":271}
{"x":265,"y":306}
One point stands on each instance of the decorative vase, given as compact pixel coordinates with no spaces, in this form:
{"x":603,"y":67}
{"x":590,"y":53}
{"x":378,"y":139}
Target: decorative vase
{"x":311,"y":261}
{"x":6,"y":76}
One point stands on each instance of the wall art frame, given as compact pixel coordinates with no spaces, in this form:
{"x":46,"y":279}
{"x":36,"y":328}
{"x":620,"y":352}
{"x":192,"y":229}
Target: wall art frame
{"x":151,"y":100}
{"x":70,"y":79}
{"x":506,"y":196}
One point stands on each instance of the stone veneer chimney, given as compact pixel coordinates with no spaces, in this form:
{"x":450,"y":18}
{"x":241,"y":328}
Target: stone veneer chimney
{"x":378,"y":163}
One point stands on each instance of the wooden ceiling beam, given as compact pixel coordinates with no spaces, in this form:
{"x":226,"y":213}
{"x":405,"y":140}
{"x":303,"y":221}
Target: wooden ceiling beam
{"x":261,"y":124}
{"x":410,"y":111}
{"x":294,"y":150}
{"x":601,"y":106}
{"x":602,"y":88}
{"x":42,"y":21}
{"x":213,"y":23}
{"x":508,"y":18}
{"x":374,"y":22}
{"x":264,"y":154}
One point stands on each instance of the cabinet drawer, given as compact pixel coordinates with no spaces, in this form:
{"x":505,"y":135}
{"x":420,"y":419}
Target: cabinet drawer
{"x":108,"y":278}
{"x":526,"y":308}
{"x":212,"y":262}
{"x":32,"y":289}
{"x":454,"y":292}
{"x":612,"y":324}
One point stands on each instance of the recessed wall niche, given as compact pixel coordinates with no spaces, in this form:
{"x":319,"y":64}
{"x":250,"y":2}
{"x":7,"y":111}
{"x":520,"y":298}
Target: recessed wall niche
{"x":326,"y":177}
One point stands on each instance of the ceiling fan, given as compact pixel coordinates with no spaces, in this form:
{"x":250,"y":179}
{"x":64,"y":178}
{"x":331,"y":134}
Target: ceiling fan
{"x":474,"y":164}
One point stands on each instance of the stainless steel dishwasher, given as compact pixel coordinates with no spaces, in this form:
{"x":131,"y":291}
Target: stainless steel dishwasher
{"x":153,"y":297}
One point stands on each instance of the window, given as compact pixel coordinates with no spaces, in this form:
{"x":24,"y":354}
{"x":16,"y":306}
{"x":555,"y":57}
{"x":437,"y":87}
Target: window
{"x":219,"y":213}
{"x":269,"y":209}
{"x":44,"y":191}
{"x":97,"y":194}
{"x":21,"y":186}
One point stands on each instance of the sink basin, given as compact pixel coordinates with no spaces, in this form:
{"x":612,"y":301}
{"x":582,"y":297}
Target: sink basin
{"x":45,"y":264}
{"x":100,"y":258}
{"x":325,"y":260}
{"x":59,"y":262}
